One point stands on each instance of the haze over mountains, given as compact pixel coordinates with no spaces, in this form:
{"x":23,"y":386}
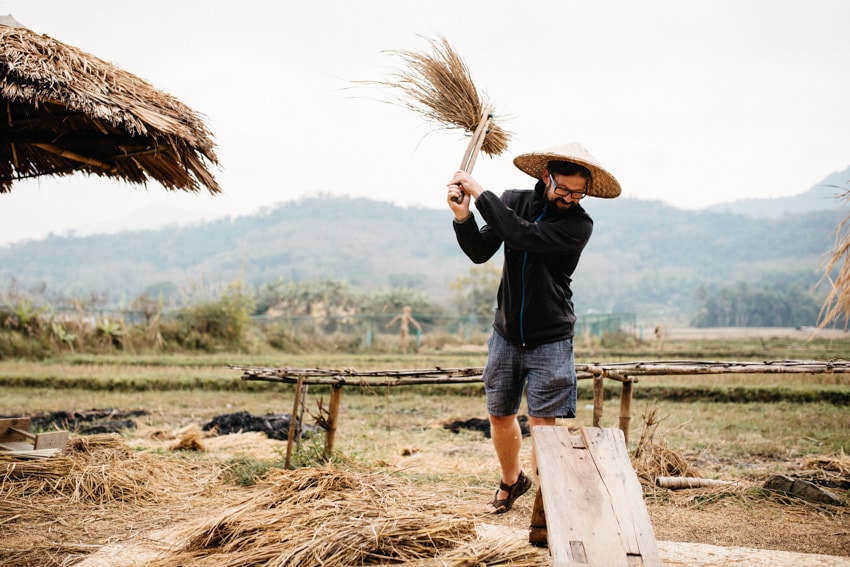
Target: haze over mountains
{"x":644,"y":257}
{"x":825,"y":195}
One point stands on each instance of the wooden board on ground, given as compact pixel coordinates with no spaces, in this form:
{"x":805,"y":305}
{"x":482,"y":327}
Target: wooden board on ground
{"x":16,"y":439}
{"x":592,"y":502}
{"x":10,"y":424}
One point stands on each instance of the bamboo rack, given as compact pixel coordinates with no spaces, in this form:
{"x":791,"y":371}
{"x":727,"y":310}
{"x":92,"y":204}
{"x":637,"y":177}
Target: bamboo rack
{"x":627,"y":373}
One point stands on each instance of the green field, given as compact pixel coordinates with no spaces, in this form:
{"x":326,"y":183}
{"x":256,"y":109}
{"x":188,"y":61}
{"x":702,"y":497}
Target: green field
{"x":767,"y":417}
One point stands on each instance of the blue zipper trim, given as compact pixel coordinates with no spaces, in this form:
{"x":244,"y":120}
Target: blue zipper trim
{"x":522,"y":295}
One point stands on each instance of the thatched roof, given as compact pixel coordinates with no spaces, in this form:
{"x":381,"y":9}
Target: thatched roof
{"x":68,"y":111}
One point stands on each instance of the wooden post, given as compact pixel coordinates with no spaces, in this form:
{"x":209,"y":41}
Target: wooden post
{"x":333,"y":412}
{"x":626,"y":407}
{"x":537,"y":531}
{"x":299,"y":424}
{"x":292,"y":419}
{"x":598,"y":398}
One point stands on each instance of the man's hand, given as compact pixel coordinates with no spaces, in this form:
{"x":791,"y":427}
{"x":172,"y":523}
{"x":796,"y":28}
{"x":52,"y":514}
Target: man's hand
{"x":462,"y":188}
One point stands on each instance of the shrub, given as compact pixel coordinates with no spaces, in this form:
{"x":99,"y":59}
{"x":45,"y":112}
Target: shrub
{"x":16,"y":345}
{"x":224,"y":322}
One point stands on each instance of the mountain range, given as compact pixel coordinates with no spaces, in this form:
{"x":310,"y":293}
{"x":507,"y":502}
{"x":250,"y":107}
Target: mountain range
{"x":826,"y":195}
{"x":644,"y":257}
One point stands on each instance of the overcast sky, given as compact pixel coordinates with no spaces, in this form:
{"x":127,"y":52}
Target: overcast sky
{"x":691,"y":103}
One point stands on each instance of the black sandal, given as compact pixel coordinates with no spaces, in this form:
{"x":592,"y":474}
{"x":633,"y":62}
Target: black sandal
{"x":517,"y":489}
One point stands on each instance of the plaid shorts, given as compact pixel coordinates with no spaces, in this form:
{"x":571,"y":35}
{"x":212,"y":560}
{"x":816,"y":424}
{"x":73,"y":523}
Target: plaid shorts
{"x":547,"y":373}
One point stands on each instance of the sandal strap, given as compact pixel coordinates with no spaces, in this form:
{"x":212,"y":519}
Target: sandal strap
{"x":509,"y":488}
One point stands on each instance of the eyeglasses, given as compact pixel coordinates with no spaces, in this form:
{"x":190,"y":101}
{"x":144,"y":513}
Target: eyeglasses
{"x":564,"y":192}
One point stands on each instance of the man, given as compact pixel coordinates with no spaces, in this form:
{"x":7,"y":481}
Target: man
{"x":544,"y":231}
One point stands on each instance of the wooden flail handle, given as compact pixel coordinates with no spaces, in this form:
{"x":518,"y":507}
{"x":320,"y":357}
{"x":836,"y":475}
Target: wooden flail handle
{"x":474,"y":147}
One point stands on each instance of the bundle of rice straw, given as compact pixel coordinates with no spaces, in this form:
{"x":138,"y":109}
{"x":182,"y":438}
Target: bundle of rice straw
{"x":325,"y":516}
{"x":100,"y":469}
{"x":837,"y":304}
{"x":653,"y":458}
{"x":438,"y":86}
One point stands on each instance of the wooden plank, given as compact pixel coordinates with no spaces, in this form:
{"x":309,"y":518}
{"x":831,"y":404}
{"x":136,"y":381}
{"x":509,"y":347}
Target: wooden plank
{"x":592,"y":500}
{"x":51,"y":440}
{"x":23,"y":433}
{"x":8,"y":425}
{"x":30,"y":453}
{"x":15,"y":446}
{"x":634,"y":527}
{"x":578,"y":515}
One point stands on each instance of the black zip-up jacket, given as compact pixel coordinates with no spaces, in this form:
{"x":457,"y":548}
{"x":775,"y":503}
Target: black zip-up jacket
{"x":542,"y":249}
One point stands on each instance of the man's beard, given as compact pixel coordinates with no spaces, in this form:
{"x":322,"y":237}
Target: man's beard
{"x":563,"y":205}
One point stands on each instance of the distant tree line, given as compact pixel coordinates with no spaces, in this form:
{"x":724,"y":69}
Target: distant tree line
{"x":782,"y":304}
{"x":283,"y":315}
{"x":295,"y":316}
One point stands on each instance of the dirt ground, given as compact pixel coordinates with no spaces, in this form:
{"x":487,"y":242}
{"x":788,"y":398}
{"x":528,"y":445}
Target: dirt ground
{"x":698,"y":527}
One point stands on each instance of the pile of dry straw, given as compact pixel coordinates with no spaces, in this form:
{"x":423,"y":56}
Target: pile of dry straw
{"x":60,"y":508}
{"x":100,"y":493}
{"x":327,"y":516}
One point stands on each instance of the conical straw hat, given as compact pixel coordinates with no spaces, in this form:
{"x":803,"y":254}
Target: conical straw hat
{"x":602,"y":185}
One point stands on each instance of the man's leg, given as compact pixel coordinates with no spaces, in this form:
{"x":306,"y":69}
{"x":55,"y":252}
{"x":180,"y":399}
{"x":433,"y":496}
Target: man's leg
{"x":551,"y":386}
{"x":507,"y":440}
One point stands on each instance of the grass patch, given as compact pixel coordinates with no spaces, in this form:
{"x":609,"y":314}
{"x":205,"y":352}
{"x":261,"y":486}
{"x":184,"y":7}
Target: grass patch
{"x":725,"y":416}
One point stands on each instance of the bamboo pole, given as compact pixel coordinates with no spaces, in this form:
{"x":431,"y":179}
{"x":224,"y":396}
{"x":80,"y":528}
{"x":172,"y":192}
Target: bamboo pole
{"x":598,"y":398}
{"x":614,"y":371}
{"x":292,"y":419}
{"x":680,"y":482}
{"x":626,"y":408}
{"x":56,"y":150}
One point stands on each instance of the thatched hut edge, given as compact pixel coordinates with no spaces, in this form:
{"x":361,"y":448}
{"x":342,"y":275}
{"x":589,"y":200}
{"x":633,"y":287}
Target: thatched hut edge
{"x":67,"y":111}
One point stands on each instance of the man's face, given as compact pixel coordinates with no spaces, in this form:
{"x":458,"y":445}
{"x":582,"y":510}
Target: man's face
{"x":564,"y":190}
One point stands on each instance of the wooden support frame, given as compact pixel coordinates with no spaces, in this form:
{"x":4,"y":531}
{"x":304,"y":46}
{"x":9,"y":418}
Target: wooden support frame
{"x":627,"y":373}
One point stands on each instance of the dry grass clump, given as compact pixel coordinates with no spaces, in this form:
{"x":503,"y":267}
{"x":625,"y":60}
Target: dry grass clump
{"x":439,"y":87}
{"x":654,"y":458}
{"x":327,"y":516}
{"x":99,"y":469}
{"x":58,"y":509}
{"x":837,"y":305}
{"x":190,"y":440}
{"x":839,"y":464}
